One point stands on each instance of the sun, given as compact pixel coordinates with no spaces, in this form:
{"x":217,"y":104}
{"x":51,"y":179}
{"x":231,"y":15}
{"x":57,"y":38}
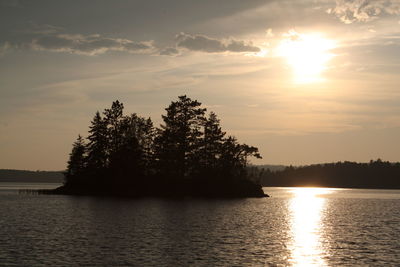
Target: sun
{"x":307,"y":54}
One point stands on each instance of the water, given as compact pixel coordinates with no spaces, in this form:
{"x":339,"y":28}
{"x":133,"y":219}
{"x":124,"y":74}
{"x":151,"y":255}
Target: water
{"x":297,"y":226}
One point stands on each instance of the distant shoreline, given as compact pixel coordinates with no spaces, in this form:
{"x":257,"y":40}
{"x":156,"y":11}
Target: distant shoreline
{"x":25,"y":176}
{"x":373,"y":175}
{"x":376,"y":174}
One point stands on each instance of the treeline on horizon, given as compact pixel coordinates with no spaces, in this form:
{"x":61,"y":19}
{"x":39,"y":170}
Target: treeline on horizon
{"x":26,"y":176}
{"x":188,"y":152}
{"x":375,"y":174}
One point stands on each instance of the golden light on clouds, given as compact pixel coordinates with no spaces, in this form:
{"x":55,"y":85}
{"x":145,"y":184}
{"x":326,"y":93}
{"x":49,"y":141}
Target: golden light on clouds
{"x":307,"y":55}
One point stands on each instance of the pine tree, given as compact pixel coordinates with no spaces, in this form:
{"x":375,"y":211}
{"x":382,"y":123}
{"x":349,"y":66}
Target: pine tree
{"x":234,"y":157}
{"x":129,"y":155}
{"x":179,"y":139}
{"x":145,"y":133}
{"x":77,"y":161}
{"x":213,"y":140}
{"x":126,"y":156}
{"x":113,"y":117}
{"x":98,"y":145}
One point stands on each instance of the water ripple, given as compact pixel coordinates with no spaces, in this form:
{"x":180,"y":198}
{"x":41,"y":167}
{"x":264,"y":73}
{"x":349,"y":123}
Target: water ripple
{"x":332,"y":229}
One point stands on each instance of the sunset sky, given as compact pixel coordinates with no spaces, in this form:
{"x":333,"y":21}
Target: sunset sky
{"x":306,"y":81}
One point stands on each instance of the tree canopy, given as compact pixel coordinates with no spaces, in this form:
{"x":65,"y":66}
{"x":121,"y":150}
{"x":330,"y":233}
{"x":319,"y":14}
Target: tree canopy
{"x":189,"y":149}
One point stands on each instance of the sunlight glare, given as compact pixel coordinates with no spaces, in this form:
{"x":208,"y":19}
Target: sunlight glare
{"x":306,"y":209}
{"x":307,"y":54}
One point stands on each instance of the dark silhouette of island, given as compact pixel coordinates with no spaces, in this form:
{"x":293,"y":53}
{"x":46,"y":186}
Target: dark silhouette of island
{"x":25,"y":176}
{"x":375,"y":174}
{"x":188,"y":155}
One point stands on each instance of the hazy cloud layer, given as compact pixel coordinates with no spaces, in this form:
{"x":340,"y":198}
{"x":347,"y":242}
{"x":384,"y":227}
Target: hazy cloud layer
{"x":350,"y":11}
{"x":210,"y":45}
{"x":51,"y":38}
{"x":51,"y":95}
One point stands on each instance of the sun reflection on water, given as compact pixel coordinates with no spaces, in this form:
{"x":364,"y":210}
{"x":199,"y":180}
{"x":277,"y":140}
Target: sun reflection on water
{"x":306,"y":207}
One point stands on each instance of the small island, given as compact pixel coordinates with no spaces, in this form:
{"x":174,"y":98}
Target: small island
{"x":187,"y":156}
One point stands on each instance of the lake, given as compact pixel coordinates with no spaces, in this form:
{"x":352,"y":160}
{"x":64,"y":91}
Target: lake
{"x":295,"y":227}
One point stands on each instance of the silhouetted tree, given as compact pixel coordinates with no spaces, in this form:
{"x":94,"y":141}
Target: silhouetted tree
{"x":133,"y":157}
{"x":145,"y":134}
{"x":113,"y":117}
{"x":213,"y":140}
{"x":179,"y":138}
{"x":77,"y":161}
{"x":234,"y":157}
{"x":98,"y":145}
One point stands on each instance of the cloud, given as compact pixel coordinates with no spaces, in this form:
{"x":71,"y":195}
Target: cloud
{"x":45,"y":37}
{"x":169,"y":51}
{"x":4,"y":48}
{"x":209,"y":45}
{"x":34,"y":28}
{"x":349,"y":11}
{"x":87,"y":44}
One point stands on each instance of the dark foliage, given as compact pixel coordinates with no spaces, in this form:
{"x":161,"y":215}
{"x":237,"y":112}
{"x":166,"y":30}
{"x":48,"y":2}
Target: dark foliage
{"x":188,"y":155}
{"x":375,"y":174}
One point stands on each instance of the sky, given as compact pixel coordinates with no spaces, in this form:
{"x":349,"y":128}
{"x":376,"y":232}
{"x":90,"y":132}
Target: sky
{"x":305,"y":81}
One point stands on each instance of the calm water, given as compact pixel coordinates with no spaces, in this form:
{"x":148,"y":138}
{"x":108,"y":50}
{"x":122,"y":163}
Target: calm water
{"x":303,"y":226}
